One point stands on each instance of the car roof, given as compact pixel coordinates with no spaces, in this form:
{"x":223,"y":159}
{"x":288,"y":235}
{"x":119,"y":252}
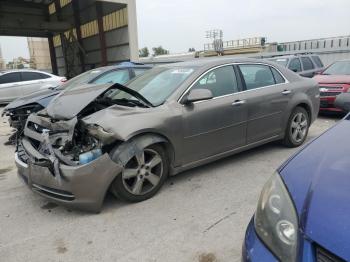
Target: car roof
{"x":205,"y":62}
{"x":291,"y":56}
{"x":22,"y":70}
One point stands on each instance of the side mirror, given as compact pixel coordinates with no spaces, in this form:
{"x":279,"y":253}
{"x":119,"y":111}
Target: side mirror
{"x":294,"y":70}
{"x":343,"y":102}
{"x":196,"y":95}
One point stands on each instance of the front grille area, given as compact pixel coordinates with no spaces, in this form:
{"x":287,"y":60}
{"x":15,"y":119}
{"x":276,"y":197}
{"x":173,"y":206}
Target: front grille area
{"x":329,"y":93}
{"x":323,"y":255}
{"x":331,"y":87}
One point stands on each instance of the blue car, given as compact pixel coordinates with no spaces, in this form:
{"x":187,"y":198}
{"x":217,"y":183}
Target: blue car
{"x":19,"y":110}
{"x":303,"y":212}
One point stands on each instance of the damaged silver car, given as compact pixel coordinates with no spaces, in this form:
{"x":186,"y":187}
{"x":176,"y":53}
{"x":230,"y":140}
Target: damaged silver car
{"x":129,"y":139}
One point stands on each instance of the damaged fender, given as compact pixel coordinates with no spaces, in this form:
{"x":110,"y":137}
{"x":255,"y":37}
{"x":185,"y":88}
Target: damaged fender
{"x":123,"y":153}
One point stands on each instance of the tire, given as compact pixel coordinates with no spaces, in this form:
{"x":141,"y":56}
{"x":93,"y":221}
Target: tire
{"x":142,"y":177}
{"x":297,"y":128}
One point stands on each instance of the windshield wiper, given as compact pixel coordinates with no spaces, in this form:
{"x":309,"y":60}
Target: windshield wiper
{"x":135,"y":94}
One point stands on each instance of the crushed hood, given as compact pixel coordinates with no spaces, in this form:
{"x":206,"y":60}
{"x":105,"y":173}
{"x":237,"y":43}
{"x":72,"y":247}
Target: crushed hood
{"x":71,"y":102}
{"x":318,"y":179}
{"x":42,"y":98}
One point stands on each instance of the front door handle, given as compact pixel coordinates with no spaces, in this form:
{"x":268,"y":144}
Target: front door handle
{"x":286,"y":92}
{"x":238,"y":103}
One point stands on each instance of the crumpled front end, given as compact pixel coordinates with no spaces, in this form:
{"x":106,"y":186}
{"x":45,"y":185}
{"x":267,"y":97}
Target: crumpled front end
{"x":61,"y":161}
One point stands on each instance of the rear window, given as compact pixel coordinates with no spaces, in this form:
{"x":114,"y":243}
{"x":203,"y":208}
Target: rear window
{"x":307,"y":63}
{"x":317,"y":61}
{"x":29,"y":76}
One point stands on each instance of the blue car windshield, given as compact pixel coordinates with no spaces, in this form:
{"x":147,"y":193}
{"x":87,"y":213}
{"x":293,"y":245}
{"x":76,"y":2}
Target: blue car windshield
{"x":81,"y":79}
{"x":156,"y":85}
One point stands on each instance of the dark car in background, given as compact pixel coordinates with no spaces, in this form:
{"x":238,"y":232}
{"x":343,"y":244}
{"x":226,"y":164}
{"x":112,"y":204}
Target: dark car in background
{"x":306,"y":65}
{"x":128,"y":139}
{"x":303,"y":211}
{"x":333,"y":81}
{"x":19,"y":110}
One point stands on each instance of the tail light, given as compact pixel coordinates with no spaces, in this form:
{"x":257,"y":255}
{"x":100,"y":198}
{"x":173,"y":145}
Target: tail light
{"x":63,"y":80}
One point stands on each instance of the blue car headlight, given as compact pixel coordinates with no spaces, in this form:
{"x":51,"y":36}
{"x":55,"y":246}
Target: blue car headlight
{"x":276,"y":221}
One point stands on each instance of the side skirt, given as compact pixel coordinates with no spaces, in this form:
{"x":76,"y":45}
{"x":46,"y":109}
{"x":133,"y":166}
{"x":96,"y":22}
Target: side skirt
{"x":176,"y":170}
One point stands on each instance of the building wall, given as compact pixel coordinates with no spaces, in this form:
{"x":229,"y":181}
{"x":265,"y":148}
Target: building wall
{"x":39,"y":53}
{"x":110,"y":21}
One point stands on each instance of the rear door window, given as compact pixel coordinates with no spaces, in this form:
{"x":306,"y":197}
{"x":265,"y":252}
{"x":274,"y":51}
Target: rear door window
{"x":221,"y":81}
{"x":307,"y":63}
{"x":256,"y":76}
{"x":116,"y":76}
{"x":29,"y":76}
{"x":10,"y":78}
{"x":278,"y":77}
{"x":295,"y":65}
{"x":317,"y":61}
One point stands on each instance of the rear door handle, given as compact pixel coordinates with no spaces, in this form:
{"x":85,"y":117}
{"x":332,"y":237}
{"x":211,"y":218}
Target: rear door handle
{"x":238,"y":103}
{"x":286,"y":92}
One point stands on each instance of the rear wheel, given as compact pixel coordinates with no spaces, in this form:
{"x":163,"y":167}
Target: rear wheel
{"x":143,"y":175}
{"x":298,"y":128}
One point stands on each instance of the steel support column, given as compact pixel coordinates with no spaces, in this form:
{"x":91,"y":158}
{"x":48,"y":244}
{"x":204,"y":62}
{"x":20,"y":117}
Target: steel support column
{"x":77,"y":23}
{"x":101,"y":31}
{"x":53,"y":56}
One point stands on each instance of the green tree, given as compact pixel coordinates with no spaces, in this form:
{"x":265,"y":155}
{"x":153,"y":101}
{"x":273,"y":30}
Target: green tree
{"x":144,"y":52}
{"x":159,"y":51}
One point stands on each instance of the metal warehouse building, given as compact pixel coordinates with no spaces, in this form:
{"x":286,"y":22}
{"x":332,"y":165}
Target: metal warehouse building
{"x":82,"y":34}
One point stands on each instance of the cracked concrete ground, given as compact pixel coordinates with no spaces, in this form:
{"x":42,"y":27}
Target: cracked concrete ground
{"x":199,"y":215}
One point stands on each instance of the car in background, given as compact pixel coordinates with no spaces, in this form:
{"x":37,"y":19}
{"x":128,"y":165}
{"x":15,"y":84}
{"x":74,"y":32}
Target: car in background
{"x":304,"y":65}
{"x":22,"y":82}
{"x":333,"y":81}
{"x":19,"y":110}
{"x":172,"y":118}
{"x":303,"y":211}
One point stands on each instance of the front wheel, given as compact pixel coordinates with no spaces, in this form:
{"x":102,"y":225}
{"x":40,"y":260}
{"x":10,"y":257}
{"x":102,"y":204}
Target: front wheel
{"x":142,"y":176}
{"x":297,"y":128}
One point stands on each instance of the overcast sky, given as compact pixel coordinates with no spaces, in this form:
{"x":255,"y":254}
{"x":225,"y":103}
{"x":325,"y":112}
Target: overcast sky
{"x":180,"y":24}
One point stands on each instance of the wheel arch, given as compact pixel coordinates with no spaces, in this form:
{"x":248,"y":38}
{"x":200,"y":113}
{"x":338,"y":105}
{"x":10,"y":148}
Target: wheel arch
{"x":122,"y":153}
{"x":307,"y":108}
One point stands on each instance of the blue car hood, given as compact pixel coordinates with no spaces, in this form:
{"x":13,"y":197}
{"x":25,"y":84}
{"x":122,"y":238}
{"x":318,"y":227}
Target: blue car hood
{"x":42,"y":98}
{"x":318,"y":179}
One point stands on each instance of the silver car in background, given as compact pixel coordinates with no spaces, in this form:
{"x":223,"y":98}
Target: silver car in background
{"x":307,"y":65}
{"x":18,"y":83}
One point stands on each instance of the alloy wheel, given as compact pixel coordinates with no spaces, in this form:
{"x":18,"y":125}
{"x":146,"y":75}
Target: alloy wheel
{"x":299,"y":127}
{"x":143,"y":172}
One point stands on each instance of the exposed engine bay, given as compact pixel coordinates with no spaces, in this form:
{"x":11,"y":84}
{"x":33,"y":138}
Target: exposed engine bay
{"x":60,"y":135}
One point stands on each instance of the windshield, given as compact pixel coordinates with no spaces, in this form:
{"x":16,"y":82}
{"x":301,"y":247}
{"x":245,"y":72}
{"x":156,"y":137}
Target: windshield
{"x":338,"y":68}
{"x":83,"y":78}
{"x":156,"y":85}
{"x":281,"y":61}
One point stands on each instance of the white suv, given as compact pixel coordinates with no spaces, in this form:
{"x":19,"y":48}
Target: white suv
{"x":18,"y":83}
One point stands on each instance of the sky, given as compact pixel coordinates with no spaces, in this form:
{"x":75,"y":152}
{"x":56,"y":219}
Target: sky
{"x":178,"y":25}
